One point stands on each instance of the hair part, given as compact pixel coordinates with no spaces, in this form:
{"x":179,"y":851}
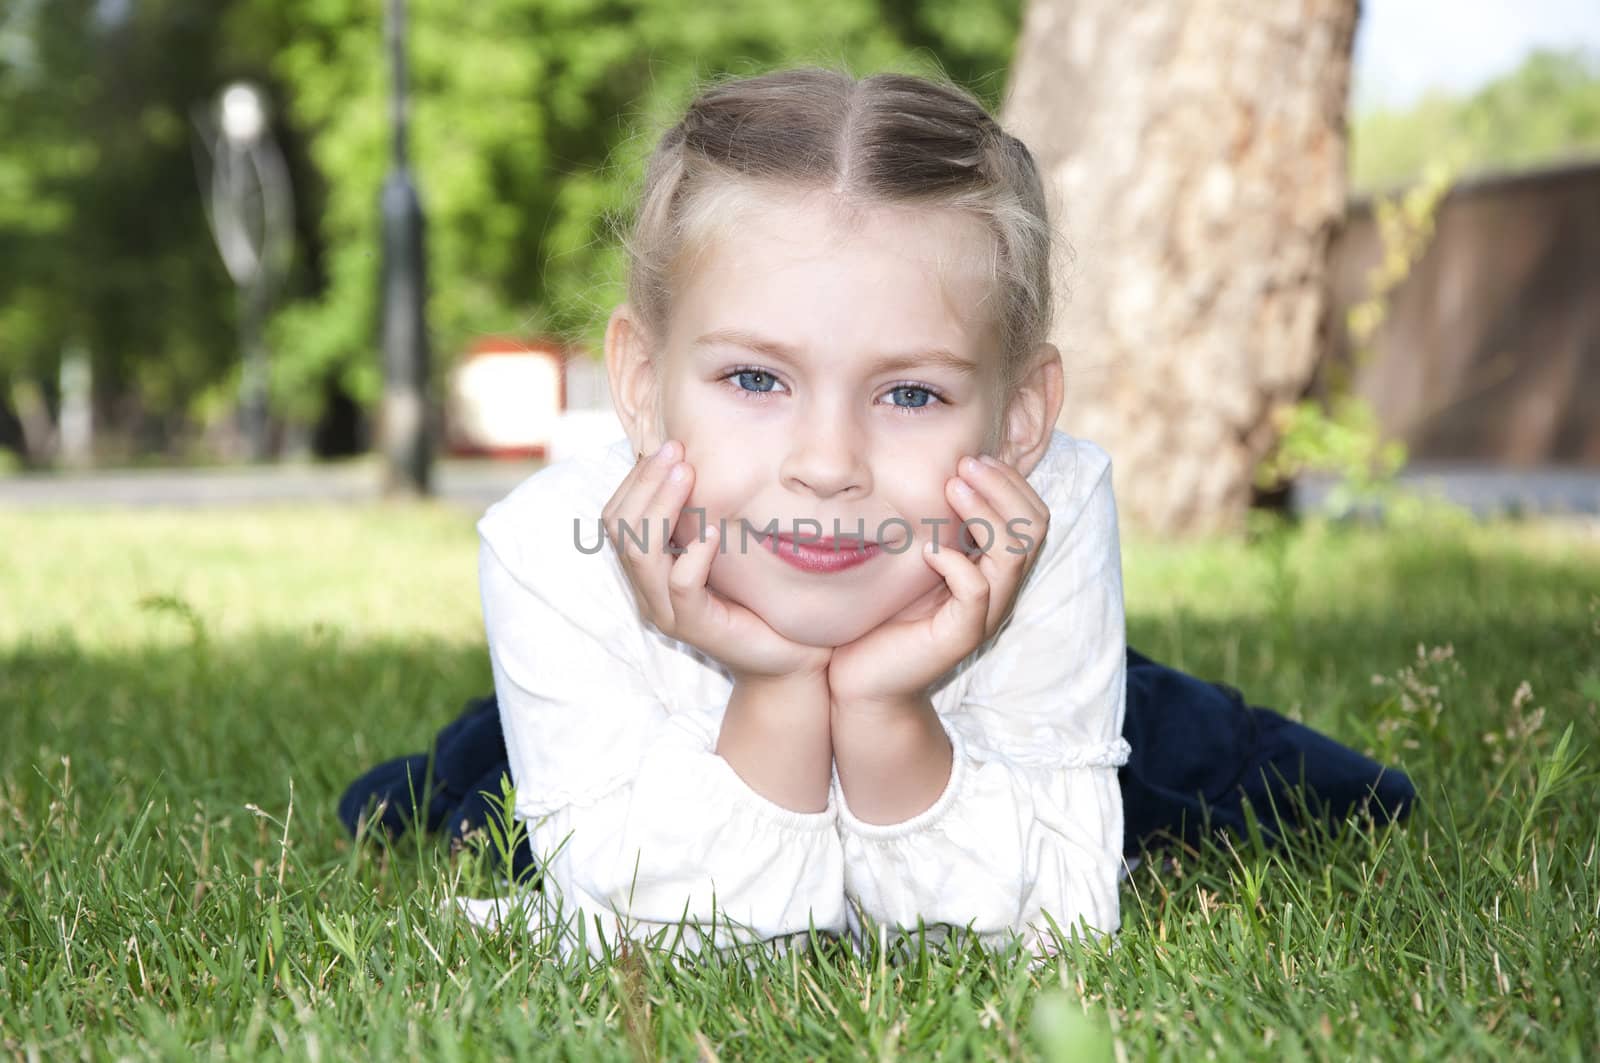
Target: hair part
{"x":883,"y":140}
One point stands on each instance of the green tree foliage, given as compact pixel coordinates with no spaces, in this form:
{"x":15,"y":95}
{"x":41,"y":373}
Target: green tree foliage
{"x":530,"y":123}
{"x":1545,"y":110}
{"x":103,"y":240}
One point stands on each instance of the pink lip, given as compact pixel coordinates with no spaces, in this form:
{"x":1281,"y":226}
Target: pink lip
{"x":821,"y":556}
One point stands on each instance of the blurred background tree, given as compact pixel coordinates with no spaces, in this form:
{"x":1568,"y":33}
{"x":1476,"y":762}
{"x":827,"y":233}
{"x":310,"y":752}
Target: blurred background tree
{"x":530,"y":121}
{"x":1545,"y":110}
{"x":103,"y":244}
{"x":1201,"y":170}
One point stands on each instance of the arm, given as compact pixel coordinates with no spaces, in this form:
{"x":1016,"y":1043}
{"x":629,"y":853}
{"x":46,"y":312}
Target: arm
{"x":892,"y":763}
{"x":637,"y":823}
{"x":1028,"y":823}
{"x":775,"y":734}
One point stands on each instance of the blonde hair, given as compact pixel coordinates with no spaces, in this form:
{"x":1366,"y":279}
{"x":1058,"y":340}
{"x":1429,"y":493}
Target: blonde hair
{"x":887,"y":139}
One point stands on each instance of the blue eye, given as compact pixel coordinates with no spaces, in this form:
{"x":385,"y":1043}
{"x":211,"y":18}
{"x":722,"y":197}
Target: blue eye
{"x":915,"y":397}
{"x":761,"y":382}
{"x":752,"y":382}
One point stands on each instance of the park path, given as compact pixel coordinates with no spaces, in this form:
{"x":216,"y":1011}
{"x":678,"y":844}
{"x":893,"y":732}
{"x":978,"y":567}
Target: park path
{"x":474,"y":485}
{"x":1488,"y":490}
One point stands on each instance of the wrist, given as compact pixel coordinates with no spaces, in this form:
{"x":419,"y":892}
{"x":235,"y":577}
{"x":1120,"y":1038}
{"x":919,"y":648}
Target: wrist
{"x":844,"y":700}
{"x":892,"y":768}
{"x":775,"y":734}
{"x":803,"y":679}
{"x":878,"y":707}
{"x":795,"y":703}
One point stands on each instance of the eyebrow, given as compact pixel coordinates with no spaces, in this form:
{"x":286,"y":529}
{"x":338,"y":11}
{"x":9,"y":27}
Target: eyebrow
{"x":937,"y":357}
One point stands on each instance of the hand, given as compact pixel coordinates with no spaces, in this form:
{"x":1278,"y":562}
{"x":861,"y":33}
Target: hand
{"x":670,"y":588}
{"x":899,"y":659}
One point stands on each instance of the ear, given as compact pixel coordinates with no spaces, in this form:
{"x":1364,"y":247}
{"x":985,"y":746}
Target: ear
{"x":1030,"y":416}
{"x":633,"y":379}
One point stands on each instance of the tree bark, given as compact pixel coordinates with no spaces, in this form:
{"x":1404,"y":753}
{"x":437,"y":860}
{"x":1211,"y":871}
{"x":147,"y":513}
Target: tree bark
{"x":38,"y":429}
{"x":1194,"y":155}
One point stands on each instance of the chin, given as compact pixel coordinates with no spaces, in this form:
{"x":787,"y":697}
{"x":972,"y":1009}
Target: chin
{"x":809,"y":623}
{"x":822,"y":618}
{"x":818,"y":629}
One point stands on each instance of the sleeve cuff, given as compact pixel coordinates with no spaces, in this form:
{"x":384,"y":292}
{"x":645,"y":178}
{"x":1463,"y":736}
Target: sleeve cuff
{"x":771,"y":811}
{"x":922,"y":821}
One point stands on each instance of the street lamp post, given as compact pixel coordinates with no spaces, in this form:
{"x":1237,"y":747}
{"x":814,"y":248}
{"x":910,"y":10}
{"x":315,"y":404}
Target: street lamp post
{"x":406,"y":432}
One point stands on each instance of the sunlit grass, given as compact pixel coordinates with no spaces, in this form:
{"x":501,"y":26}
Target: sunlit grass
{"x":186,"y":694}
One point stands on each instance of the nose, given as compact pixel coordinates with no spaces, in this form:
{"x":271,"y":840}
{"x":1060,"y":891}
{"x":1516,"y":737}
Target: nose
{"x":826,"y":458}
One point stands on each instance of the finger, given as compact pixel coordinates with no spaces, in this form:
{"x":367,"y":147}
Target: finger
{"x":633,"y":494}
{"x":640,"y":483}
{"x":1002,"y":569}
{"x":664,"y":507}
{"x":986,"y":523}
{"x":1026,"y":518}
{"x":991,"y":532}
{"x":639,"y":540}
{"x":964,"y":618}
{"x":654,"y":563}
{"x":1006,"y":487}
{"x":625,"y":487}
{"x":686,"y":582}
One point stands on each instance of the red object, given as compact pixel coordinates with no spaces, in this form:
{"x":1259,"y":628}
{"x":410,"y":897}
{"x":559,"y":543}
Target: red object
{"x":505,"y":395}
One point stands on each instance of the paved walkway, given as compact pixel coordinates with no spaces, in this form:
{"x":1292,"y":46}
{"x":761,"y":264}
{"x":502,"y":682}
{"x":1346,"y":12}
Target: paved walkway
{"x":470,"y":484}
{"x":1488,"y":490}
{"x":475,"y":484}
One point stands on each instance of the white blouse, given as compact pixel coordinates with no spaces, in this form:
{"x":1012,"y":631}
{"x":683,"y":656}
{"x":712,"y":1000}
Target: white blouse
{"x":641,"y":828}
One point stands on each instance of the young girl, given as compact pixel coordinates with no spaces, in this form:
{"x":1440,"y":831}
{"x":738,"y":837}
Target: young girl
{"x":838,"y":629}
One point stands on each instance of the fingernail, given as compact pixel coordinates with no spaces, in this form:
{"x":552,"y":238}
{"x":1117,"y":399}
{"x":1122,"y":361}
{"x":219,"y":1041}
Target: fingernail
{"x":963,"y":488}
{"x":990,"y":460}
{"x":678,"y":473}
{"x":662,"y":453}
{"x":968,"y":465}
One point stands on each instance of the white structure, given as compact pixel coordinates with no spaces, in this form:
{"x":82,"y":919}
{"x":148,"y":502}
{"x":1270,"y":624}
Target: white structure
{"x":514,"y":398}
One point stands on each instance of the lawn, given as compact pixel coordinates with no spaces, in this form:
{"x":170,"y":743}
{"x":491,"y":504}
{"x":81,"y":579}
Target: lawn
{"x":187,"y":693}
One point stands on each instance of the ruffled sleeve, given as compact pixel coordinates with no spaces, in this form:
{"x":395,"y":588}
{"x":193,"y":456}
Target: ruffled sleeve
{"x":1028,"y":831}
{"x":638,"y":824}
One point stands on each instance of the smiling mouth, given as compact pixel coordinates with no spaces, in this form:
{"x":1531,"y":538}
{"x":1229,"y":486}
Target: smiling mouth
{"x":842,"y":544}
{"x":822,"y":557}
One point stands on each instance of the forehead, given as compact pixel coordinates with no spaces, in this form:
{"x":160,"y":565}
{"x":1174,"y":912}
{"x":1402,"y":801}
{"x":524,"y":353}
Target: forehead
{"x":808,"y":270}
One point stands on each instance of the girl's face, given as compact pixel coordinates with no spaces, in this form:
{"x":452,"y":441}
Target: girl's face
{"x":832,"y":376}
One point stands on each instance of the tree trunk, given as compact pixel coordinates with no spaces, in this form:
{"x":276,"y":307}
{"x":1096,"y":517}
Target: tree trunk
{"x":33,"y":416}
{"x":1194,"y":154}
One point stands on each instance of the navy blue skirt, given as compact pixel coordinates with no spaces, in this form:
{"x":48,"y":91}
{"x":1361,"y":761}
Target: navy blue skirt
{"x":1200,"y":756}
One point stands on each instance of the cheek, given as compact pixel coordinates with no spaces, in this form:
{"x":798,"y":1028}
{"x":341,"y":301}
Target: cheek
{"x":723,"y":579}
{"x":916,"y":578}
{"x":706,"y":414}
{"x":951,"y":532}
{"x":743,"y":578}
{"x":691,"y":522}
{"x":718,"y":503}
{"x":933,"y":518}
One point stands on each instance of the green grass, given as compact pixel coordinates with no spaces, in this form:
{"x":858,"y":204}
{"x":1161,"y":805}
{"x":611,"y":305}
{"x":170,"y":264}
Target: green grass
{"x":185,"y":695}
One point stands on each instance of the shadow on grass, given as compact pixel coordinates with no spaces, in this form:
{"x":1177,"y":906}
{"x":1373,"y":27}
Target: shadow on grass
{"x":233,"y":721}
{"x":230,"y":723}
